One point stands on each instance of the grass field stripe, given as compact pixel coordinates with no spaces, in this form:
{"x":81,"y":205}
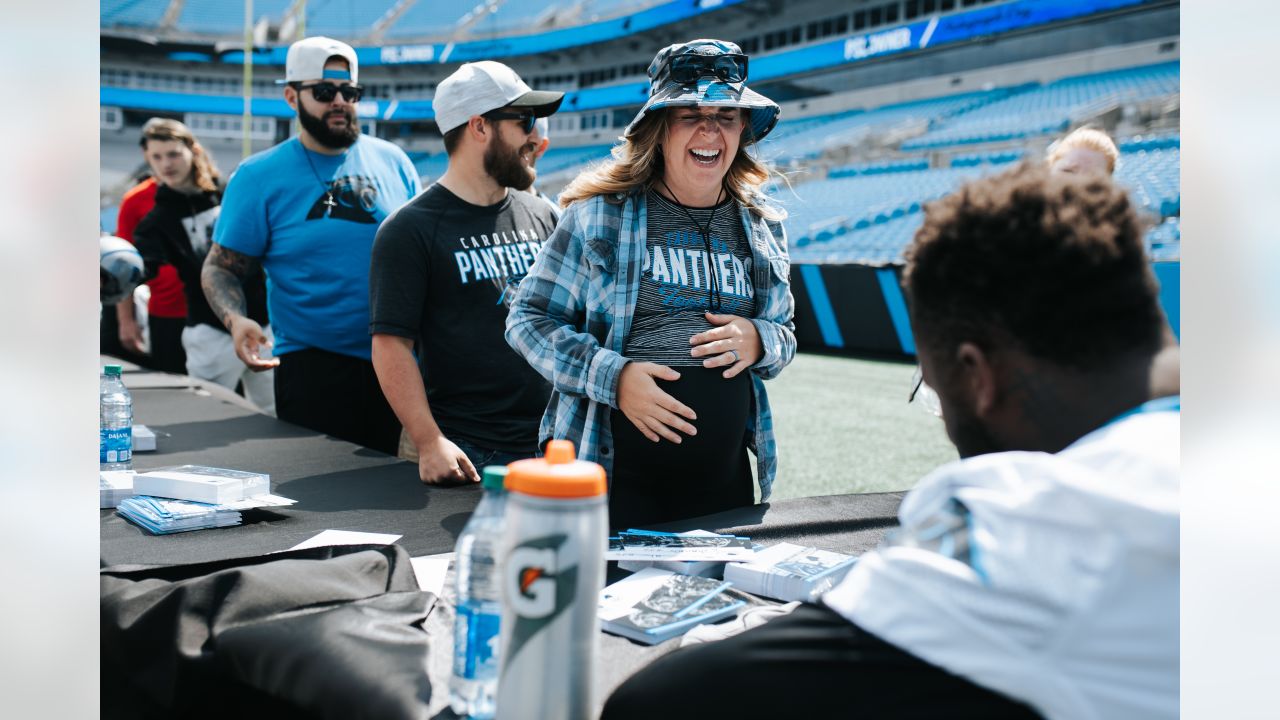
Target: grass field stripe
{"x":897,"y":306}
{"x":826,"y":315}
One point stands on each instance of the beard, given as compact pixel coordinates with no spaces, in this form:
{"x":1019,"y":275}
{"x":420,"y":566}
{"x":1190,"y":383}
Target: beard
{"x":502,"y":163}
{"x":318,"y":127}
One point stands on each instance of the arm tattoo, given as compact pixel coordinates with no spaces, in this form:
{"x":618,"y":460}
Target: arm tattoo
{"x":222,"y":280}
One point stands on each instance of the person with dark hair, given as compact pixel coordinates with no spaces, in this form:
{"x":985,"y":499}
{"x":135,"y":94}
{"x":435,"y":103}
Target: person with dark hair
{"x":306,"y":211}
{"x":1038,"y":575}
{"x":443,"y":267}
{"x":177,"y":232}
{"x":663,"y":302}
{"x":541,"y":139}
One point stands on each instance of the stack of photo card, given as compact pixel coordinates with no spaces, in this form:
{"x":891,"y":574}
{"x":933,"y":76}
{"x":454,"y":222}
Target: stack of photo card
{"x":650,"y":545}
{"x":654,"y":605}
{"x":162,"y":516}
{"x":701,"y":568}
{"x":790,"y":572}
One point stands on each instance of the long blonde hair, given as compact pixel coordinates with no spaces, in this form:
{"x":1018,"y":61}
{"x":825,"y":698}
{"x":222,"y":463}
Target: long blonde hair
{"x":637,"y":163}
{"x":204,"y":174}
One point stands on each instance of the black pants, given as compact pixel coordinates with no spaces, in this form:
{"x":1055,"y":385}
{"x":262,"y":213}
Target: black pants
{"x":337,"y":395}
{"x":167,"y":352}
{"x":811,"y":663}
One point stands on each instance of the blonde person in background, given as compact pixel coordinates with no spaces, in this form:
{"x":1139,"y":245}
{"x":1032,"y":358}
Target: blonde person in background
{"x":1085,"y":150}
{"x":661,"y":302}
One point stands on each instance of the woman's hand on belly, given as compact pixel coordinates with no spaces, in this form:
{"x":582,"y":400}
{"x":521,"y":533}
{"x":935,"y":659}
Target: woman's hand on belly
{"x":733,"y":343}
{"x":654,"y":413}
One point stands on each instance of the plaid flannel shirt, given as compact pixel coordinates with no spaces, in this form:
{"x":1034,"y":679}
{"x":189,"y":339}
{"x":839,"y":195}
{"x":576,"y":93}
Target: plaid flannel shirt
{"x":572,"y":313}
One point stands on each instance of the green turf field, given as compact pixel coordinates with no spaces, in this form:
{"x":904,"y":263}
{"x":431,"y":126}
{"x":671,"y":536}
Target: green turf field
{"x":844,"y":426}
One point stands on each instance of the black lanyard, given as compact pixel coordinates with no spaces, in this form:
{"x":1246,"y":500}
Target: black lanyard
{"x":715,"y":298}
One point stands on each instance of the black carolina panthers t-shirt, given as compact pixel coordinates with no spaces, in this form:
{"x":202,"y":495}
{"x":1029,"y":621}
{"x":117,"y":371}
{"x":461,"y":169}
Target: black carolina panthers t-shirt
{"x":443,"y":273}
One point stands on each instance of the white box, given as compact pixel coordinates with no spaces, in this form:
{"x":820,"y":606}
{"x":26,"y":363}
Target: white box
{"x":114,"y":486}
{"x":198,"y":483}
{"x":144,"y":439}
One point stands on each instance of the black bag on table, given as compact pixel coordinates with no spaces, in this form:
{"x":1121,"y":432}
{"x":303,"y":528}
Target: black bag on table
{"x":329,"y":632}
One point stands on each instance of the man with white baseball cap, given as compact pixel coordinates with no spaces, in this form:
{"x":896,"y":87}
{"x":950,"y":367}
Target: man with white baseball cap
{"x":443,"y":273}
{"x":307,"y":211}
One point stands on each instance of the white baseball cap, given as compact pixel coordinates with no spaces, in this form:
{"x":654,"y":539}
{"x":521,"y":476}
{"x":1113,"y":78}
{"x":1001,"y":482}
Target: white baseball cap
{"x":478,"y":87}
{"x":307,"y":57}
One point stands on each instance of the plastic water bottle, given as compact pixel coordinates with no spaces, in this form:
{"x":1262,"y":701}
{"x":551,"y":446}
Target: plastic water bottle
{"x":552,"y":570}
{"x":473,"y":687}
{"x":115,"y":421}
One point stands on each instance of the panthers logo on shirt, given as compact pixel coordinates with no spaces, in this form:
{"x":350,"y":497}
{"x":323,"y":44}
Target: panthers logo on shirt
{"x":351,"y":197}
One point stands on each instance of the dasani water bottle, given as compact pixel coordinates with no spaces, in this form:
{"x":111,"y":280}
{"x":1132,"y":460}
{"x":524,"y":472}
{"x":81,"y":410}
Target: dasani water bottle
{"x":473,"y":687}
{"x":115,"y":421}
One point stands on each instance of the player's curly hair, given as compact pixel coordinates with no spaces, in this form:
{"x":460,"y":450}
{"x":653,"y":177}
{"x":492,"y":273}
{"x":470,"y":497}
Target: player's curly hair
{"x":1053,"y":264}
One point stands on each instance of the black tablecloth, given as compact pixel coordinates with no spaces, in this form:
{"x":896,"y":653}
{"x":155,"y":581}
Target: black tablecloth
{"x":342,"y":486}
{"x":337,"y":485}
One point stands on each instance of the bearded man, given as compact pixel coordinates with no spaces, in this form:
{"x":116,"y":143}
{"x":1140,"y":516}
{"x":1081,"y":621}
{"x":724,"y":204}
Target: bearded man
{"x":444,"y":270}
{"x":307,"y":210}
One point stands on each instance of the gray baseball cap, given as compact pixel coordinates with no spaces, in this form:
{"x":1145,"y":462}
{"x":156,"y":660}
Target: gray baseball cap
{"x":478,"y":87}
{"x":706,"y":89}
{"x":306,"y":59}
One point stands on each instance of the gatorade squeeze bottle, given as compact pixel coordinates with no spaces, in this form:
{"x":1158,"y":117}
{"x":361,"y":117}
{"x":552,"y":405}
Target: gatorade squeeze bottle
{"x":552,"y":571}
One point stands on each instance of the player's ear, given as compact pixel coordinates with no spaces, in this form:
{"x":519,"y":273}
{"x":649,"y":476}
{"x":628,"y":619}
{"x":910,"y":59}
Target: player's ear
{"x":478,"y":128}
{"x":291,"y":97}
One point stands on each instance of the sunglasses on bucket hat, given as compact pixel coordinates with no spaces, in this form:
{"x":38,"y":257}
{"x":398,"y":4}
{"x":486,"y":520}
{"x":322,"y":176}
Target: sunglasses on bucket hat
{"x":726,"y":67}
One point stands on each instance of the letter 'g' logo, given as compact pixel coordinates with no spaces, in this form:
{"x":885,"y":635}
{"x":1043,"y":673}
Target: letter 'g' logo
{"x":538,"y":585}
{"x":531,"y":582}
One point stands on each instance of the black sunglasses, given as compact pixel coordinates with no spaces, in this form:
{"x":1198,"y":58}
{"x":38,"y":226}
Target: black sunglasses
{"x":324,"y":91}
{"x":686,"y":69}
{"x":527,"y":120}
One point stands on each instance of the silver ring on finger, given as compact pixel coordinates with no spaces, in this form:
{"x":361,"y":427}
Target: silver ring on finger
{"x":736,"y":357}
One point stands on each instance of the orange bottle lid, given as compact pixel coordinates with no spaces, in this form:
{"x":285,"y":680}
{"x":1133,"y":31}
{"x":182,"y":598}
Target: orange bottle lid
{"x":557,"y":474}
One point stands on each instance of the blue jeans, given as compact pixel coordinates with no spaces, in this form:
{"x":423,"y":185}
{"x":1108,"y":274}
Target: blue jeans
{"x":482,"y":456}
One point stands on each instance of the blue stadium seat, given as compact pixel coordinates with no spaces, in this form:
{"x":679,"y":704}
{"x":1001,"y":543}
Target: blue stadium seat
{"x":1039,"y":109}
{"x":427,"y":19}
{"x":343,"y":18}
{"x":224,"y":18}
{"x":133,"y":13}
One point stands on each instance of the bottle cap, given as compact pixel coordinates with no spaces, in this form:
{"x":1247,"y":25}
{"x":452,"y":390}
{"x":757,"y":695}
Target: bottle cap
{"x":111,"y":370}
{"x":493,"y":477}
{"x":557,"y":474}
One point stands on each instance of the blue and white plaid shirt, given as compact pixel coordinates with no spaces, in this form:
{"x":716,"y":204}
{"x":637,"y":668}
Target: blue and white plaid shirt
{"x":572,"y":313}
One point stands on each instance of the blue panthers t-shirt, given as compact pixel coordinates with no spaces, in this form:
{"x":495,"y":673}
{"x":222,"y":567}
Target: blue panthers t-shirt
{"x":311,"y":218}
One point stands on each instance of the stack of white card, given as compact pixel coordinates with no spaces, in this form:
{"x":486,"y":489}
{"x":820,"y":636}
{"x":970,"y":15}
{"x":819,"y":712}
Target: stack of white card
{"x":790,"y":572}
{"x":114,"y":486}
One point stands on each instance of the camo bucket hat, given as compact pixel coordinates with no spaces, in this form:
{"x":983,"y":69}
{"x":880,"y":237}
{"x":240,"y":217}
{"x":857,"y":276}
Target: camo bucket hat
{"x":706,"y":73}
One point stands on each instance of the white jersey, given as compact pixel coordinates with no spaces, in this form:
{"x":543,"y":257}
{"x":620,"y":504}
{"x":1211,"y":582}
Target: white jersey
{"x":1049,"y":578}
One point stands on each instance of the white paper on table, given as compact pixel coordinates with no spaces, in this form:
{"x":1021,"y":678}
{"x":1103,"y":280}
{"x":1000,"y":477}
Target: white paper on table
{"x":431,"y":571}
{"x":345,"y":537}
